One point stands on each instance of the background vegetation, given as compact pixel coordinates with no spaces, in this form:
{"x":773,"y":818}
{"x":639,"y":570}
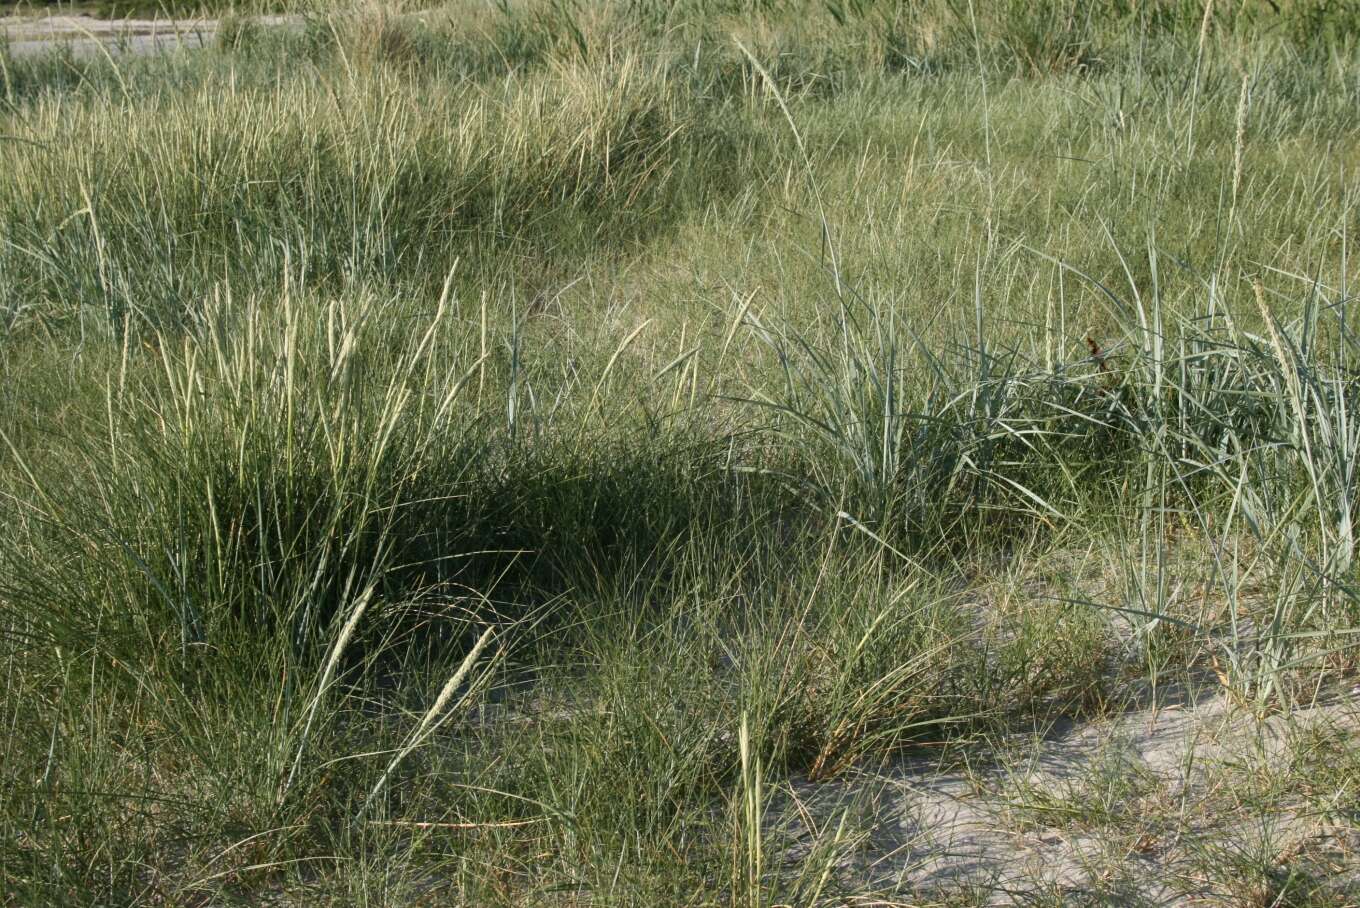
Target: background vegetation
{"x":480,"y":453}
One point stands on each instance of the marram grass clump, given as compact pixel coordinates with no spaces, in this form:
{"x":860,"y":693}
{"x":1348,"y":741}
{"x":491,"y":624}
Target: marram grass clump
{"x":706,"y":453}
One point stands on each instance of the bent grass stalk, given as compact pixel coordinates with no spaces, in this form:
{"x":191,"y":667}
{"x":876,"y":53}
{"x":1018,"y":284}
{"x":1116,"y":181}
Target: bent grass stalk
{"x":433,"y":718}
{"x":324,"y":684}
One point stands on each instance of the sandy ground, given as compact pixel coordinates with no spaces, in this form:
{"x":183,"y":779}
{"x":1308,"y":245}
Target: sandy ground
{"x":86,"y":35}
{"x":1007,"y":832}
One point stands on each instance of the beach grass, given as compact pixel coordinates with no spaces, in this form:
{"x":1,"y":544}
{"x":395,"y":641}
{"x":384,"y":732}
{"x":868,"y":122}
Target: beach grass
{"x":560,"y":453}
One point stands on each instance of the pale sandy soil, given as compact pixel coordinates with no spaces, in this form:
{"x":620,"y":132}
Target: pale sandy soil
{"x":1148,"y":808}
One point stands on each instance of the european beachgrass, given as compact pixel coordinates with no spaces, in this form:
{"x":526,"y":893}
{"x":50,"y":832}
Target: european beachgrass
{"x":548,"y":453}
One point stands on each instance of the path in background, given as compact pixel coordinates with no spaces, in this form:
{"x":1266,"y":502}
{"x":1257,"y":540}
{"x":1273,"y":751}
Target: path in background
{"x":86,"y":35}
